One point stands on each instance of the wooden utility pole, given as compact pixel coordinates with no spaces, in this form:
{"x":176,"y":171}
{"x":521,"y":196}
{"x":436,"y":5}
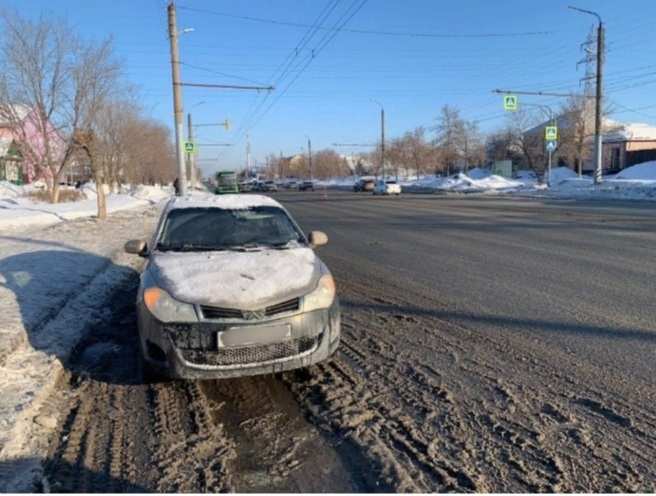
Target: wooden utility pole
{"x":382,"y":140}
{"x":177,"y":99}
{"x":191,"y":156}
{"x":310,"y":156}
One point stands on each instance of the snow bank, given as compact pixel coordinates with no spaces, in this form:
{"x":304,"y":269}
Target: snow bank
{"x":560,"y":174}
{"x":18,"y":211}
{"x":55,"y":285}
{"x":236,"y":280}
{"x":642,"y":172}
{"x":478,"y":173}
{"x":10,"y":190}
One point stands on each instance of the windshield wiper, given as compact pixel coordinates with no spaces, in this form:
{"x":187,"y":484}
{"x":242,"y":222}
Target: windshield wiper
{"x":189,"y":247}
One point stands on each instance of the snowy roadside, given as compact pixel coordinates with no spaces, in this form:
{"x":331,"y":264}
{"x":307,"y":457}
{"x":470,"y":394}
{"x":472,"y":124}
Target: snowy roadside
{"x":54,"y":286}
{"x":18,"y":211}
{"x":634,"y":183}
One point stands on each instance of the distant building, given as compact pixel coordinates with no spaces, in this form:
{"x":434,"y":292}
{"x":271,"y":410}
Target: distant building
{"x":628,"y":145}
{"x":20,"y":130}
{"x":624,"y":144}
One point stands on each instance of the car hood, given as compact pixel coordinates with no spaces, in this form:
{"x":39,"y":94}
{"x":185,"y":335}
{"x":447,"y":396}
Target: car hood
{"x":245,"y":280}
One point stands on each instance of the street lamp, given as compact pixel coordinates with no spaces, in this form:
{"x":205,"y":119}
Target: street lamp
{"x":598,"y":95}
{"x":309,"y":141}
{"x":382,"y":137}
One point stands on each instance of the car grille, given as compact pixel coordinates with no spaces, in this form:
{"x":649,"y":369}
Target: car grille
{"x":285,"y":306}
{"x":220,"y":313}
{"x":210,"y":312}
{"x":244,"y":355}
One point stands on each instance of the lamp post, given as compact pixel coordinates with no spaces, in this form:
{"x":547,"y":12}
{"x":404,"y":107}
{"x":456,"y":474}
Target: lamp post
{"x":382,"y":137}
{"x":598,"y":93}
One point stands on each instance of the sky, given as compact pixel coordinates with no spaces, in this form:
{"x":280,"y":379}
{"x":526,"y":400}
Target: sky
{"x":330,"y":84}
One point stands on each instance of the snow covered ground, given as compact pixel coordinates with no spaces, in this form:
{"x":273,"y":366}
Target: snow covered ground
{"x":54,"y":285}
{"x":634,"y":183}
{"x":18,"y":211}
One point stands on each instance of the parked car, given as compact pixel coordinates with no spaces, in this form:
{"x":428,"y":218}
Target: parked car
{"x":269,"y":186}
{"x":388,"y":187}
{"x":232,"y":287}
{"x":364,"y":185}
{"x":306,"y":185}
{"x":245,"y":187}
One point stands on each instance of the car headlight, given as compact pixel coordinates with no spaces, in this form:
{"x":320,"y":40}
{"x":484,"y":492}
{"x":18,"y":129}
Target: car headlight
{"x":165,"y":308}
{"x":322,"y":296}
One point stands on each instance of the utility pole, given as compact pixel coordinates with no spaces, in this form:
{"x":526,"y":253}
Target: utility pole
{"x":191,"y":155}
{"x":177,"y":99}
{"x":598,"y":101}
{"x":382,"y":140}
{"x":310,"y":156}
{"x":280,"y":165}
{"x":248,"y":155}
{"x":598,"y":95}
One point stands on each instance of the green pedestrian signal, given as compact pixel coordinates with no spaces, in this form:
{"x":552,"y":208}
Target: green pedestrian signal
{"x":551,"y":133}
{"x":510,"y":103}
{"x":189,"y":147}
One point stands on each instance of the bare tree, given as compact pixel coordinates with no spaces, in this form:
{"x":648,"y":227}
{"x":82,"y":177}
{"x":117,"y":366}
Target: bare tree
{"x":449,"y":137}
{"x":51,"y":88}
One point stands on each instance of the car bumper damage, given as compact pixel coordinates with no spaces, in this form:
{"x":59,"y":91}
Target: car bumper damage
{"x":236,"y":348}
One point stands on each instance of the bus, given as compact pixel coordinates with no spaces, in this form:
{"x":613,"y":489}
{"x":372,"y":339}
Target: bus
{"x":226,"y":182}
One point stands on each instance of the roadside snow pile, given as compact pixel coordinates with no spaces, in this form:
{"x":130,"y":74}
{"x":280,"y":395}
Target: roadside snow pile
{"x":10,"y":190}
{"x":337,"y":182}
{"x":18,"y":211}
{"x":640,"y":172}
{"x":561,"y":174}
{"x":634,"y":183}
{"x":478,"y":173}
{"x":463,"y":183}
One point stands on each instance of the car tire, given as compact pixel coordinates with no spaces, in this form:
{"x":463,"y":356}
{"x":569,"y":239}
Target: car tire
{"x":150,"y":373}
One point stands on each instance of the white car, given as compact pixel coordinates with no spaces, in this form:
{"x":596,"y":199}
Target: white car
{"x":388,"y":187}
{"x":232,"y":287}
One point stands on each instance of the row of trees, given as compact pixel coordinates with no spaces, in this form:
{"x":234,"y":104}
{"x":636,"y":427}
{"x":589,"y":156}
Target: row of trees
{"x":456,"y":144}
{"x":66,"y":102}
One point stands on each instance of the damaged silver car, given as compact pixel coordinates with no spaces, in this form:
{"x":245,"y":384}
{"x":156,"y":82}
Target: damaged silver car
{"x":232,"y":287}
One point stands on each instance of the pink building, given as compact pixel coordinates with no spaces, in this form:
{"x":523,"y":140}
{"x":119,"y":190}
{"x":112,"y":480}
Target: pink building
{"x":23,"y":128}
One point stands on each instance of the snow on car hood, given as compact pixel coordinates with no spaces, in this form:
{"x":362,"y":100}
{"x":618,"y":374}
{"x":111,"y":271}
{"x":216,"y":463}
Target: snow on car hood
{"x":244,"y":280}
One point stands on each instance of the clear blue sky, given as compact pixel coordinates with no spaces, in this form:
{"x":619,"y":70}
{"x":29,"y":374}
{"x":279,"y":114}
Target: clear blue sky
{"x":331,"y":101}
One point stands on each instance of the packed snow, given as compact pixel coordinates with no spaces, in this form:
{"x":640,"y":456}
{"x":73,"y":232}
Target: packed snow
{"x":228,"y":202}
{"x":54,"y":287}
{"x":234,"y":279}
{"x":19,"y":211}
{"x":640,"y":172}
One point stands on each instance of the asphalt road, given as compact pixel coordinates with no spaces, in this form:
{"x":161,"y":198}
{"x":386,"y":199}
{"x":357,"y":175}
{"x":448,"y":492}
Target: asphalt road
{"x":488,"y":344}
{"x":580,"y":276}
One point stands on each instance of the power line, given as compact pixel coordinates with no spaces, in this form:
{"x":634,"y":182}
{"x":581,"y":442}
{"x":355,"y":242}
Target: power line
{"x":212,"y":71}
{"x":372,"y":32}
{"x":283,"y":69}
{"x":344,"y":19}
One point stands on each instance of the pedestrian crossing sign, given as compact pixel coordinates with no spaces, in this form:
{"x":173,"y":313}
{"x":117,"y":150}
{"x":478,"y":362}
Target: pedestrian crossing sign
{"x":510,"y":103}
{"x":550,"y":133}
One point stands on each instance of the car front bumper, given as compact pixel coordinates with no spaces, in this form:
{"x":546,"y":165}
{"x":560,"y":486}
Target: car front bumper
{"x":192,"y":350}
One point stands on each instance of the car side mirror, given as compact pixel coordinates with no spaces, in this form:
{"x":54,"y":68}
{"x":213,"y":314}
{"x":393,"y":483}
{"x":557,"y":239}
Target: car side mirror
{"x":136,"y":247}
{"x":318,"y":238}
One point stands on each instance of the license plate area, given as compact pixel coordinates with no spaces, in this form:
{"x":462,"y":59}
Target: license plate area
{"x":254,"y":335}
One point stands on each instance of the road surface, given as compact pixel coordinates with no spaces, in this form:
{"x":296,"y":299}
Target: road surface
{"x":489,"y":344}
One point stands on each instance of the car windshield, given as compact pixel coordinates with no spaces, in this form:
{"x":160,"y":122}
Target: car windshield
{"x":210,"y":229}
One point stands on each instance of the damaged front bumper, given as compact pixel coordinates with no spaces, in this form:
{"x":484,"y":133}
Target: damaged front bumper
{"x":215,"y":349}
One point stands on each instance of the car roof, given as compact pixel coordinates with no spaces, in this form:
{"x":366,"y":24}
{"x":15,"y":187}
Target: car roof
{"x":226,"y":202}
